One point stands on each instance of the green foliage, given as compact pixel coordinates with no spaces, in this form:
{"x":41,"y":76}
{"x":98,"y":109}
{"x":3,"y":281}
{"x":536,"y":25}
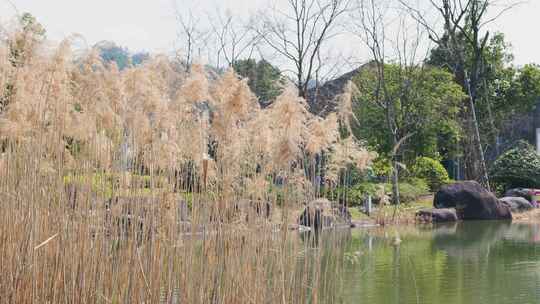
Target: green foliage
{"x":352,"y":175}
{"x":518,"y":167}
{"x":139,"y":58}
{"x":264,"y":79}
{"x":368,"y":188}
{"x":503,"y":92}
{"x":432,"y":171}
{"x":29,"y":23}
{"x":100,"y":183}
{"x":382,"y":167}
{"x":509,"y":90}
{"x":425,"y":102}
{"x":110,"y":52}
{"x":411,"y":190}
{"x":277,"y":194}
{"x":517,"y":91}
{"x":350,"y":195}
{"x":188,"y":196}
{"x":121,"y":56}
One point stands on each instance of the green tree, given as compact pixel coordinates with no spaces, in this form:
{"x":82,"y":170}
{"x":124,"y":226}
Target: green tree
{"x":520,"y":93}
{"x":110,"y":52}
{"x":462,"y":46}
{"x":29,"y":23}
{"x":264,"y":79}
{"x":432,"y":171}
{"x":139,"y":58}
{"x":504,"y":91}
{"x":518,"y":167}
{"x":425,"y":101}
{"x":495,"y":81}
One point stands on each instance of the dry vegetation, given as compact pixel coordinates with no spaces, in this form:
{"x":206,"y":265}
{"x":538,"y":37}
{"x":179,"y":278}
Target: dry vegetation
{"x":151,"y":185}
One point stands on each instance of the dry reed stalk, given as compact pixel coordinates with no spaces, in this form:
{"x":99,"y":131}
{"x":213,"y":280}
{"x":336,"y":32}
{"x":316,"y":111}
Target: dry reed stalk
{"x":149,"y":185}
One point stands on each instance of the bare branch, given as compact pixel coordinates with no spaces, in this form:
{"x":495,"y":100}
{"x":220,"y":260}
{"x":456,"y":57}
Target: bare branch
{"x":190,"y":34}
{"x":300,"y":32}
{"x":235,"y":37}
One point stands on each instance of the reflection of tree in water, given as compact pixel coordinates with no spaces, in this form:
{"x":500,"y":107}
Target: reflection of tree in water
{"x":520,"y":244}
{"x":469,"y":240}
{"x":455,"y":263}
{"x":489,"y":262}
{"x":529,"y":233}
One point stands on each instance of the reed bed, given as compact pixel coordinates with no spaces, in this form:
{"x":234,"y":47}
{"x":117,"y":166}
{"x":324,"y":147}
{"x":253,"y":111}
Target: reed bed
{"x":150,"y":185}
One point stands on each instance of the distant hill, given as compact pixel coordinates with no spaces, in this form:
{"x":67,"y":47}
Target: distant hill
{"x":322,"y":100}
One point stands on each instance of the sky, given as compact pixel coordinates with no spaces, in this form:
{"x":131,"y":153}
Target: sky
{"x":150,"y":25}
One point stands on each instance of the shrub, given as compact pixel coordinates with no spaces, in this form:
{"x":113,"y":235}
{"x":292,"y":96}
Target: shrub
{"x":518,"y":167}
{"x":432,"y":171}
{"x":355,"y":195}
{"x":372,"y":189}
{"x":382,"y":167}
{"x":411,"y":190}
{"x":351,"y":175}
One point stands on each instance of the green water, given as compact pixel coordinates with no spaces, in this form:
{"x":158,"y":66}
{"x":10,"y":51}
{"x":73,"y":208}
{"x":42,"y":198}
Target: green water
{"x":462,"y":263}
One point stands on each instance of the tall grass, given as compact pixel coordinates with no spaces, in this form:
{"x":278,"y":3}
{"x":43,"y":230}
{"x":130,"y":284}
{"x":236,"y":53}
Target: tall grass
{"x":152,"y":185}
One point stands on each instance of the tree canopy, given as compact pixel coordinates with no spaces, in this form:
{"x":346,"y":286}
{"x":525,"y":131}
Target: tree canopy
{"x":111,"y":52}
{"x":426,"y":100}
{"x":264,"y":79}
{"x":505,"y":90}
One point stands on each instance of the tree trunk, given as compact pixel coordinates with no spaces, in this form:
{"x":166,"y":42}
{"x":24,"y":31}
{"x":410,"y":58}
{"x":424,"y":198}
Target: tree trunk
{"x":478,"y":143}
{"x":395,"y":167}
{"x":395,"y":183}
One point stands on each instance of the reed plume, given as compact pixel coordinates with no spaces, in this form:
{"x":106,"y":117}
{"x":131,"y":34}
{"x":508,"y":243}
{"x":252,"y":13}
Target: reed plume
{"x":153,"y":185}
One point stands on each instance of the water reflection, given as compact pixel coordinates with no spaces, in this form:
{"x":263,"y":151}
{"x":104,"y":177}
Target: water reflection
{"x":469,"y":240}
{"x":461,"y":263}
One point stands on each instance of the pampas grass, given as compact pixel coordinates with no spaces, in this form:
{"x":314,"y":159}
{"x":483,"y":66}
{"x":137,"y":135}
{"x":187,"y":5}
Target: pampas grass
{"x":151,"y":185}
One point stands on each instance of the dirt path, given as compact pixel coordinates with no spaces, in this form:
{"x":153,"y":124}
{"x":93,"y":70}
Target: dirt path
{"x":532,"y":216}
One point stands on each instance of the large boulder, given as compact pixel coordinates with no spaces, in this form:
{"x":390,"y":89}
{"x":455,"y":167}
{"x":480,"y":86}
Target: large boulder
{"x":437,"y":215}
{"x":472,"y":202}
{"x":517,"y":204}
{"x":322,"y":213}
{"x":519,"y":192}
{"x":483,"y":206}
{"x":448,"y":196}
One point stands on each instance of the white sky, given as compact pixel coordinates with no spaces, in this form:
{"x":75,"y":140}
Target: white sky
{"x":150,"y":24}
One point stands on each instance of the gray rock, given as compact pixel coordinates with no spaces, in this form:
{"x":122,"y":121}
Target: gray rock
{"x":448,"y":196}
{"x":519,"y":192}
{"x":517,"y":204}
{"x":437,"y":215}
{"x":472,"y":202}
{"x":322,"y":213}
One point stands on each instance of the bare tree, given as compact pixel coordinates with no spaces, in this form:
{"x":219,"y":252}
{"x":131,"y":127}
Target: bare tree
{"x":235,"y":39}
{"x":191,"y":35}
{"x":298,"y":33}
{"x":464,"y":40}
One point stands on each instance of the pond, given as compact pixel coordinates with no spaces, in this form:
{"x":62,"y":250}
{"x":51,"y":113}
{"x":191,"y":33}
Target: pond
{"x":461,"y":263}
